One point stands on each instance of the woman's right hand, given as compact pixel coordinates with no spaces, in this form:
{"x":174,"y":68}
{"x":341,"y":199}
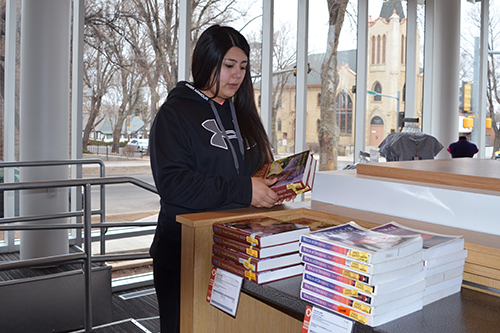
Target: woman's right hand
{"x":262,"y":195}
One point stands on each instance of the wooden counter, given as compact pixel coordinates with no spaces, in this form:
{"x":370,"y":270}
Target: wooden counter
{"x":463,"y":172}
{"x":255,"y":314}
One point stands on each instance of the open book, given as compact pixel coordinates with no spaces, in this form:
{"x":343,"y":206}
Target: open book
{"x":294,"y":174}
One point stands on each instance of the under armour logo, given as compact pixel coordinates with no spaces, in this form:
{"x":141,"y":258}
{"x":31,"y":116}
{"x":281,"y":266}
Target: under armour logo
{"x":217,"y":139}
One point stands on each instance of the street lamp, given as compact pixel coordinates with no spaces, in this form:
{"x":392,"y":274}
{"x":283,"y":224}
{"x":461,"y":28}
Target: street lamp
{"x":374,"y":93}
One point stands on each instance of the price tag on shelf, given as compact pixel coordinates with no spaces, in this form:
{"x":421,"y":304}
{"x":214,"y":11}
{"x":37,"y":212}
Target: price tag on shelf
{"x":224,"y":290}
{"x":317,"y":320}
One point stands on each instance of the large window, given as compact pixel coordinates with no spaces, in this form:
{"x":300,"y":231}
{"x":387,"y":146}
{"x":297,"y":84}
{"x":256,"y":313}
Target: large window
{"x":378,"y":89}
{"x":344,"y":112}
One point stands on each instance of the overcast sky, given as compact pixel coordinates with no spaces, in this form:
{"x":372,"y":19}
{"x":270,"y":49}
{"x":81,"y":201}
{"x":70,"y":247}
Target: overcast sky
{"x":285,"y":11}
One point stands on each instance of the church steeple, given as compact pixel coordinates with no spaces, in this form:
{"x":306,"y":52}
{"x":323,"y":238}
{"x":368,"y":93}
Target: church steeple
{"x":388,"y":8}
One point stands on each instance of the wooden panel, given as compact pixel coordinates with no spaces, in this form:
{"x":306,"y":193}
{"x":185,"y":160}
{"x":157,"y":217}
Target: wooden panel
{"x":481,"y":280}
{"x":474,"y":269}
{"x":484,"y":259}
{"x":187,"y":285}
{"x":197,"y":315}
{"x":483,"y":249}
{"x":462,"y":172}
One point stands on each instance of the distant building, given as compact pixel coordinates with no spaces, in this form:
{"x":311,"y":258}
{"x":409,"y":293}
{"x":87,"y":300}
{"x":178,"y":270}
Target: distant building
{"x":387,"y":72}
{"x":132,"y":128}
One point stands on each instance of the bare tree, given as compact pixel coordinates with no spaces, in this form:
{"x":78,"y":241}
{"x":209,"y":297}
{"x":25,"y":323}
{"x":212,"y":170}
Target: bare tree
{"x":492,"y":92}
{"x":328,"y":134}
{"x":98,"y":67}
{"x":97,"y":77}
{"x":493,"y":77}
{"x":284,"y":56}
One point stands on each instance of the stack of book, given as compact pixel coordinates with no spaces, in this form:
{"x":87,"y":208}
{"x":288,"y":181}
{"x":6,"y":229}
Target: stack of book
{"x":444,"y":258}
{"x":294,"y":174}
{"x":259,"y":249}
{"x":366,"y":275}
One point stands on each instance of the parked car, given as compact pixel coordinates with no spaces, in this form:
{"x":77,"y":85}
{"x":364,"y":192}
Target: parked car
{"x":139,"y":144}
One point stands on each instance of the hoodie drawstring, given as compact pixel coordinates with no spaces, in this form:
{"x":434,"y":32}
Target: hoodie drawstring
{"x":237,"y":130}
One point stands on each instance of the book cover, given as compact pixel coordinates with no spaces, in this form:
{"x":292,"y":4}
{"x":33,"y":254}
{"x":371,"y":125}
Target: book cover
{"x":362,"y":276}
{"x":265,"y":252}
{"x":258,"y":277}
{"x":255,"y":264}
{"x":360,"y":295}
{"x":372,"y":310}
{"x":294,"y":174}
{"x":261,"y":231}
{"x":434,"y":245}
{"x":362,"y":244}
{"x":313,"y":224}
{"x":377,"y":289}
{"x":396,"y":266}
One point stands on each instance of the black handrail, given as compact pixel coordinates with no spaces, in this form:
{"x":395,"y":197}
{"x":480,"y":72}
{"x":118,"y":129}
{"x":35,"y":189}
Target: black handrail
{"x":87,"y":226}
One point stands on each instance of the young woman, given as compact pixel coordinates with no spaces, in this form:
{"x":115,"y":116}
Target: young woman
{"x":206,"y":141}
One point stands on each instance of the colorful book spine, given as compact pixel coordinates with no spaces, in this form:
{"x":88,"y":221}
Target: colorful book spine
{"x":234,"y":268}
{"x":238,"y":246}
{"x":336,"y":297}
{"x":254,"y":264}
{"x":327,"y":246}
{"x":337,"y":287}
{"x":331,"y":305}
{"x":356,"y":265}
{"x":257,"y":277}
{"x":336,"y":269}
{"x":339,"y":278}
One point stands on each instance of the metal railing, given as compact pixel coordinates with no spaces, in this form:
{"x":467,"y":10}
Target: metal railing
{"x":86,"y":226}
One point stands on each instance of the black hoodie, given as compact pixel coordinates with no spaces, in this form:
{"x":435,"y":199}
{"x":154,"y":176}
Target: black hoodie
{"x":193,"y":166}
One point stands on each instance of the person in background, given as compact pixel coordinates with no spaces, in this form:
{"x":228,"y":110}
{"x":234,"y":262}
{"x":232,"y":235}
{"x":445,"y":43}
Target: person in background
{"x":207,"y":139}
{"x":462,"y":148}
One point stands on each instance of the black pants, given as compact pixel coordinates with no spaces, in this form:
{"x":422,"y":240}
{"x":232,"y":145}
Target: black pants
{"x":168,"y":291}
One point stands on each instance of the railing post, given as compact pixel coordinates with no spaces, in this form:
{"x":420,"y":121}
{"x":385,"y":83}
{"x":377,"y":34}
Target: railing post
{"x":103,"y":213}
{"x":87,"y":221}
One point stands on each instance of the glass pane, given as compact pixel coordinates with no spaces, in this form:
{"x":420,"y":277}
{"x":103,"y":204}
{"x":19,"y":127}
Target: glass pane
{"x":469,"y":113}
{"x":386,"y":68}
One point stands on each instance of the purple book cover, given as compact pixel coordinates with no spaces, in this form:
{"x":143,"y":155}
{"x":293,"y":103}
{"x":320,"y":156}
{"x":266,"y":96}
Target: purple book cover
{"x":346,"y":237}
{"x":429,"y":239}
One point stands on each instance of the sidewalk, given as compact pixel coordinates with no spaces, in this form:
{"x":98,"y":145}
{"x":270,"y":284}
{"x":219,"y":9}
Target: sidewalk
{"x":117,"y":164}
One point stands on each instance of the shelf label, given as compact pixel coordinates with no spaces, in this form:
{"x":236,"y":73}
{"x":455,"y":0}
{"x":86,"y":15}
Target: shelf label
{"x":224,"y":290}
{"x":317,"y":320}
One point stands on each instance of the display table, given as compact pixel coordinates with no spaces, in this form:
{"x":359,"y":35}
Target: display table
{"x":457,"y":196}
{"x":467,"y":311}
{"x":276,"y":307}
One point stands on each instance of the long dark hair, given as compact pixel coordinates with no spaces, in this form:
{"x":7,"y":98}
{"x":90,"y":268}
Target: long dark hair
{"x":208,"y":55}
